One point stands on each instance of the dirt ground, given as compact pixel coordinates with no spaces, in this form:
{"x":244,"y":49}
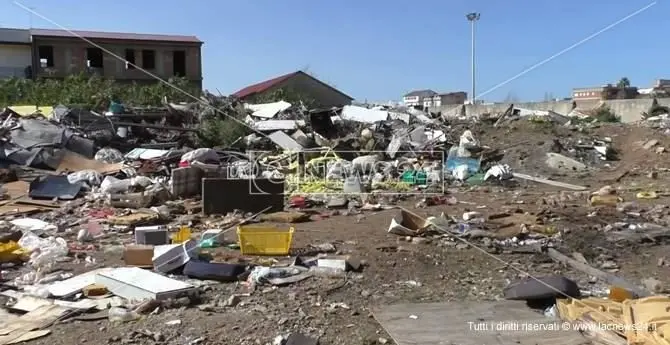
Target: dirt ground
{"x":340,"y":311}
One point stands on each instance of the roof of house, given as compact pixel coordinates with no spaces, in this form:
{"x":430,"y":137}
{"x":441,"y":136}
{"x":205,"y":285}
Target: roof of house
{"x":453,"y":93}
{"x":15,"y":36}
{"x":268,"y":84}
{"x":421,"y":93}
{"x":113,"y":35}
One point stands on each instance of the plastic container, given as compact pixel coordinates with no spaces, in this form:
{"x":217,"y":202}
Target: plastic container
{"x":264,"y":240}
{"x":414,"y":177}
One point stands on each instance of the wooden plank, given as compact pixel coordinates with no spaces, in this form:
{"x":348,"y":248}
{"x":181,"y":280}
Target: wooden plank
{"x":32,"y":321}
{"x":32,"y":335}
{"x":549,"y":182}
{"x":472,"y":323}
{"x":592,"y":271}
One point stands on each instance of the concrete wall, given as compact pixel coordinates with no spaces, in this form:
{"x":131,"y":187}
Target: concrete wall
{"x":630,"y":110}
{"x":14,"y":59}
{"x":70,"y":58}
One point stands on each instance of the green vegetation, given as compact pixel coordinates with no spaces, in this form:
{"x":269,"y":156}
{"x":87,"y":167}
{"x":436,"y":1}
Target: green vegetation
{"x":92,"y":92}
{"x":655,"y":110}
{"x":605,"y":114}
{"x":288,"y":95}
{"x":217,"y":130}
{"x":623,"y":83}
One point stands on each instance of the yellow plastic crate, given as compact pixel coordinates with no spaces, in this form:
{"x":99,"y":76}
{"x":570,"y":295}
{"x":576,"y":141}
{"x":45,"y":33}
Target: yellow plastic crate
{"x":264,"y":240}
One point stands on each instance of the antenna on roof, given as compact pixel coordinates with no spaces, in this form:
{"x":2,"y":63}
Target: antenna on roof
{"x":30,"y":18}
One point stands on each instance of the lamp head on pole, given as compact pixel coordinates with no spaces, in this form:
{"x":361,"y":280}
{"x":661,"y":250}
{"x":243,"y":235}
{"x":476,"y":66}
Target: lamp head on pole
{"x":473,"y":16}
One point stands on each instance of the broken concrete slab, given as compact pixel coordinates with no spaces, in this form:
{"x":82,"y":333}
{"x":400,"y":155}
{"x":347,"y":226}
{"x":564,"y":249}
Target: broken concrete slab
{"x":561,"y":162}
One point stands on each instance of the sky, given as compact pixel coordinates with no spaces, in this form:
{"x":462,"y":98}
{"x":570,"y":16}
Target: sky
{"x":378,"y":50}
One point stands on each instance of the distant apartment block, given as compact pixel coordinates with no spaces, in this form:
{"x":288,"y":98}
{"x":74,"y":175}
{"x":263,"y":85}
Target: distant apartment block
{"x":430,"y":98}
{"x":604,"y":92}
{"x":47,"y":53}
{"x":661,"y":88}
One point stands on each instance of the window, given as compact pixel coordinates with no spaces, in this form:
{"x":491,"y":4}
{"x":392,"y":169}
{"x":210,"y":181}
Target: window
{"x":130,"y":59}
{"x":94,"y":57}
{"x":148,"y":59}
{"x":46,"y":55}
{"x":179,"y":63}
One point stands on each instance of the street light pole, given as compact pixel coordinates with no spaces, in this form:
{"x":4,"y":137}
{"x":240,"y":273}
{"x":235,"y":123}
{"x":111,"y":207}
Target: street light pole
{"x":472,"y":18}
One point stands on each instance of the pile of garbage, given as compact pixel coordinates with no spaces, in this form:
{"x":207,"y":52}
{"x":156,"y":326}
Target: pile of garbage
{"x":133,"y":179}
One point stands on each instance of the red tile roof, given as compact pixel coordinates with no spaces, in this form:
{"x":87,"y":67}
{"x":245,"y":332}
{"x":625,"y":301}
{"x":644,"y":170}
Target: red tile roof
{"x":264,"y":85}
{"x":113,"y":35}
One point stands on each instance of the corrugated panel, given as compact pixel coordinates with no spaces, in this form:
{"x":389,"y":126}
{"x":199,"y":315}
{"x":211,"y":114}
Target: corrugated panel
{"x":473,"y":323}
{"x":113,"y":35}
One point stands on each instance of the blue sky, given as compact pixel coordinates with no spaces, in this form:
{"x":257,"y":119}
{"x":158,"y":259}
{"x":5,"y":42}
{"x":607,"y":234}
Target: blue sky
{"x":380,"y":49}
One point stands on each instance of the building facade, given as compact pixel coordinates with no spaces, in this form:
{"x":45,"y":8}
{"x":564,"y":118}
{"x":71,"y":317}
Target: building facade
{"x":430,"y":98}
{"x":15,"y":53}
{"x":46,"y":53}
{"x":605,"y":92}
{"x":58,"y":53}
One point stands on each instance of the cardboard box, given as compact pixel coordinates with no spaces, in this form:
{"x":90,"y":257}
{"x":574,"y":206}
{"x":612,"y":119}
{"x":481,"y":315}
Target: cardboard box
{"x":138,"y":255}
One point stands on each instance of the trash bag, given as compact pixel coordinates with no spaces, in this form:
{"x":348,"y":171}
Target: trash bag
{"x":109,"y":155}
{"x":33,"y":225}
{"x":90,"y":177}
{"x":112,"y":185}
{"x":499,"y":172}
{"x":461,"y":172}
{"x":202,"y":155}
{"x":467,"y":142}
{"x":44,"y":251}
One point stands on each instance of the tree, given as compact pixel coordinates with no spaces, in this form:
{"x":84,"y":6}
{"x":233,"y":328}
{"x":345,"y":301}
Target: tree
{"x":623,"y":83}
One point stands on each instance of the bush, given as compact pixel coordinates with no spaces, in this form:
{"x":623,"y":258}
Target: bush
{"x":605,"y":114}
{"x":220,"y":132}
{"x":93,"y":92}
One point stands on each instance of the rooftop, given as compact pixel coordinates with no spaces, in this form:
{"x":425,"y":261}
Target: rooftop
{"x":21,"y":36}
{"x":268,"y":84}
{"x":421,"y":93}
{"x":264,"y":85}
{"x":112,"y":35}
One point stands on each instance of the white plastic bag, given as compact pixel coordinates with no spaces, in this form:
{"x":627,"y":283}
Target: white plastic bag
{"x":499,"y":172}
{"x":467,"y":142}
{"x":44,"y":250}
{"x":33,"y":225}
{"x":202,"y":155}
{"x":91,"y":177}
{"x":112,"y":185}
{"x":461,"y":172}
